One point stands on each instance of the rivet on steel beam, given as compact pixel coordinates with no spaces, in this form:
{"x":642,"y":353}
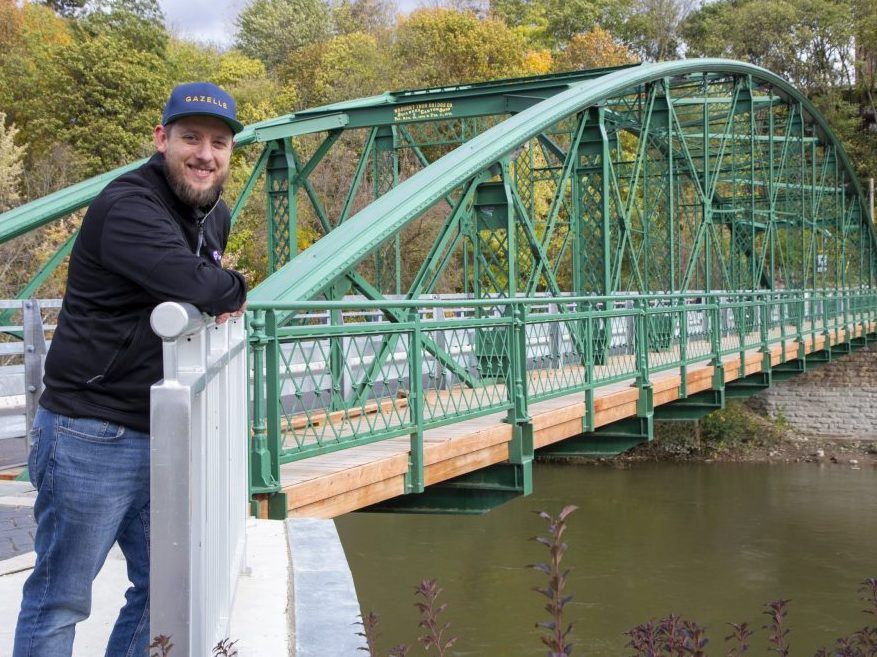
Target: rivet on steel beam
{"x":30,"y":348}
{"x":31,"y":388}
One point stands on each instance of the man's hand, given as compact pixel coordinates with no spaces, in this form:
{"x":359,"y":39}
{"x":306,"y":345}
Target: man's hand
{"x":224,"y":317}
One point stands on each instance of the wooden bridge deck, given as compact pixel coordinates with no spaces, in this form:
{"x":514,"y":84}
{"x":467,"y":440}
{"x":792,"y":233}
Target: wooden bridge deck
{"x":332,"y":484}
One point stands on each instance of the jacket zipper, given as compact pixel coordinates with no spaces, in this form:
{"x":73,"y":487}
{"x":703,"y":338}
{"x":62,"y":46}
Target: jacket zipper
{"x":200,"y":235}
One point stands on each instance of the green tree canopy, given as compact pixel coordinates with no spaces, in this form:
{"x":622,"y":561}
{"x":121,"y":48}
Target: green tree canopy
{"x":344,"y":67}
{"x":139,"y":22}
{"x":270,"y":30}
{"x":810,"y":42}
{"x":369,"y":16}
{"x":653,"y":28}
{"x":443,"y":46}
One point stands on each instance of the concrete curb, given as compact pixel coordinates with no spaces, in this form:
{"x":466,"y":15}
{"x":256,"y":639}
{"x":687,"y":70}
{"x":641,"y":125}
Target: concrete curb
{"x":326,"y":606}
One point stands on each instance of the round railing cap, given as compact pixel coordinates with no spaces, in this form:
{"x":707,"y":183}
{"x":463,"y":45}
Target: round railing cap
{"x":171,"y":319}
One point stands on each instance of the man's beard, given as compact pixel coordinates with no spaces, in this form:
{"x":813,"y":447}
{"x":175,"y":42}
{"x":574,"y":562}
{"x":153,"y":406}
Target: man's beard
{"x":187,"y":194}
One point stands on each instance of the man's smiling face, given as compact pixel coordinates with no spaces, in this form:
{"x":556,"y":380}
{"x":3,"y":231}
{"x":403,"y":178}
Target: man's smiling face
{"x":197,"y":150}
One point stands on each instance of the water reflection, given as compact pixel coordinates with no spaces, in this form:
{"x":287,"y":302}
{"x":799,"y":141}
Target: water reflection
{"x":712,"y":542}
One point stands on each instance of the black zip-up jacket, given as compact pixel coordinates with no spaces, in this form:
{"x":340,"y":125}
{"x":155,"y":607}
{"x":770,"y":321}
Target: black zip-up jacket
{"x":136,"y":248}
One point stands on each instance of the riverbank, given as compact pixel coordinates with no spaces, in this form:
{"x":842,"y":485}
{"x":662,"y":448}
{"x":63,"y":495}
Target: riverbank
{"x":739,"y":433}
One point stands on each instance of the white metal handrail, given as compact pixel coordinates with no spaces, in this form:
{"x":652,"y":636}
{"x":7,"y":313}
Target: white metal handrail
{"x":198,"y":477}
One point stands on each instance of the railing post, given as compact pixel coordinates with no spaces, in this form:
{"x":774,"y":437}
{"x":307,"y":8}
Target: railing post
{"x":264,"y":457}
{"x":521,"y":447}
{"x":554,"y":346}
{"x":414,"y":480}
{"x":588,"y":422}
{"x":175,"y":581}
{"x":716,"y":344}
{"x":441,"y":340}
{"x":34,"y":360}
{"x":645,"y":402}
{"x":799,"y":326}
{"x":683,"y":350}
{"x":764,"y":313}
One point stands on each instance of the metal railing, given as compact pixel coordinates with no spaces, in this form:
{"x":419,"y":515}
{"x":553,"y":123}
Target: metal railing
{"x":330,"y":375}
{"x":23,"y":354}
{"x":198,"y":477}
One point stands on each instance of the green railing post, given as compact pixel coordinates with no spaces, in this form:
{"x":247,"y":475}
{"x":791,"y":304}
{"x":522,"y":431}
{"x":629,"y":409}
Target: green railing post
{"x":521,"y":447}
{"x":764,"y":313}
{"x":799,"y":325}
{"x":414,"y":479}
{"x":265,"y":450}
{"x":588,"y":420}
{"x":823,"y":303}
{"x":716,"y":344}
{"x":741,"y":315}
{"x":683,"y":351}
{"x":645,"y":403}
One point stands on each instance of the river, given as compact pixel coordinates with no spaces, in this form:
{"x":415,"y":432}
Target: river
{"x":711,"y":542}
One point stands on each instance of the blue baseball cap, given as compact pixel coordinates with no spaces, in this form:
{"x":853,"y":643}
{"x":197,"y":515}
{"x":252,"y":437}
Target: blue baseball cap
{"x":201,"y":99}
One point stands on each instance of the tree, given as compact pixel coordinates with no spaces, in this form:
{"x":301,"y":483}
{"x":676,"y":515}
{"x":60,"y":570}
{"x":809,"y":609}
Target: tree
{"x":593,"y":49}
{"x":11,"y":23}
{"x":344,"y":67}
{"x":567,"y":18}
{"x":810,"y":42}
{"x":653,"y":29}
{"x":105,"y":98}
{"x":270,"y":30}
{"x":10,"y":165}
{"x":25,"y":68}
{"x":65,"y":7}
{"x":187,"y":61}
{"x":369,"y":16}
{"x":139,"y":22}
{"x":443,"y":46}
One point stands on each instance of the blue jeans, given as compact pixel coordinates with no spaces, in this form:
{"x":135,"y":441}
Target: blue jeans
{"x":92,"y":478}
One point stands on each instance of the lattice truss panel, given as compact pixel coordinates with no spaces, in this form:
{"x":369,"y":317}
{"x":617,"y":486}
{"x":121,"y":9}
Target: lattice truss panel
{"x":700,"y":182}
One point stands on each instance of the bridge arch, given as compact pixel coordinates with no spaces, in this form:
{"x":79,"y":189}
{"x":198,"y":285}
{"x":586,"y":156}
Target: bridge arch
{"x":791,"y":150}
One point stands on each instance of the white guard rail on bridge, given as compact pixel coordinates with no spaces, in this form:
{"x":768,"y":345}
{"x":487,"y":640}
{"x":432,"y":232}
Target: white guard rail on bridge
{"x":198,"y":478}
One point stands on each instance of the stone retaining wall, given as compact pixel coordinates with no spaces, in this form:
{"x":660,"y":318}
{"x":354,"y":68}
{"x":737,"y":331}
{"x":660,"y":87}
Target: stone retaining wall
{"x":837,"y":399}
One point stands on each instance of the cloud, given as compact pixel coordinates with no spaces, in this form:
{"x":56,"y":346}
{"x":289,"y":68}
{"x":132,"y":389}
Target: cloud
{"x":207,"y":21}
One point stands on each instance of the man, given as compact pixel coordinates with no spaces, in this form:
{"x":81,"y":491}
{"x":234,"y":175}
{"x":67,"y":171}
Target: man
{"x":155,"y":234}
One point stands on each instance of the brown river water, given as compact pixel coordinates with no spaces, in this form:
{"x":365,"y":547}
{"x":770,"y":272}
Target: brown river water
{"x":711,"y":542}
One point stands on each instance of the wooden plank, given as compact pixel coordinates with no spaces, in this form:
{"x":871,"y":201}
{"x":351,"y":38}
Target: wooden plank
{"x":460,"y":446}
{"x":666,"y":396}
{"x":335,"y":483}
{"x":575,"y":410}
{"x":465,"y":463}
{"x":557,"y":432}
{"x":614,"y":414}
{"x":351,"y":500}
{"x":615,"y":398}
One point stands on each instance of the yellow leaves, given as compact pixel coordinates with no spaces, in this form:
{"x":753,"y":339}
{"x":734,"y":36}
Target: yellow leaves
{"x":594,"y":49}
{"x":538,"y":62}
{"x":234,"y":67}
{"x":10,"y":165}
{"x":443,"y":46}
{"x":42,"y":27}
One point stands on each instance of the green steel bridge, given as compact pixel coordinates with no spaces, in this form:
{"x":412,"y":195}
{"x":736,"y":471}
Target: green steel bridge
{"x":536,"y":265}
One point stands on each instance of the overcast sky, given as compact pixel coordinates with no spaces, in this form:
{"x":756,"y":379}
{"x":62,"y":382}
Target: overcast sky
{"x":212,"y":21}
